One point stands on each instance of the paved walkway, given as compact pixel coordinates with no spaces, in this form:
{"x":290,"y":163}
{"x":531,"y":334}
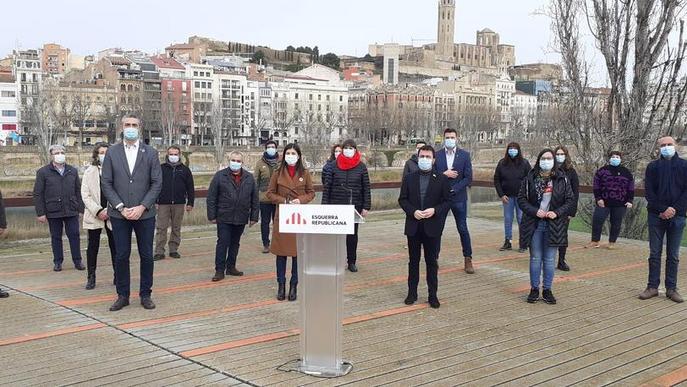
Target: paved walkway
{"x":53,"y":332}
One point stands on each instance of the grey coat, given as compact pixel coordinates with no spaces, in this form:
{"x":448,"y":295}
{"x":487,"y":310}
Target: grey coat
{"x":55,"y":195}
{"x":142,"y":187}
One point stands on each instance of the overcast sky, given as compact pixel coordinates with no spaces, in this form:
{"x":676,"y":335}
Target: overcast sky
{"x":343,"y":27}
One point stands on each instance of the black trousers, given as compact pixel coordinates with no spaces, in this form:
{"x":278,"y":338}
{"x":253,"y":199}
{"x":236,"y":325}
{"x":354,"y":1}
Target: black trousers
{"x":352,"y":246}
{"x":431,"y":246}
{"x":94,"y":247}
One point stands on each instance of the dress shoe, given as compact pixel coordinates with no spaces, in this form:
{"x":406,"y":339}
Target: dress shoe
{"x":158,"y":257}
{"x":533,"y":296}
{"x":434,"y":302}
{"x":147,"y":303}
{"x":468,"y":266}
{"x":57,"y":267}
{"x":4,"y":294}
{"x":352,"y":268}
{"x":648,"y":293}
{"x":266,"y":249}
{"x":219,"y":275}
{"x":281,"y":292}
{"x":292,"y":292}
{"x":232,"y":271}
{"x":506,"y":246}
{"x":673,"y":295}
{"x":90,"y":282}
{"x":78,"y":265}
{"x":175,"y":255}
{"x":592,"y":245}
{"x":410,"y":299}
{"x":548,"y":297}
{"x":119,"y":304}
{"x":562,"y":265}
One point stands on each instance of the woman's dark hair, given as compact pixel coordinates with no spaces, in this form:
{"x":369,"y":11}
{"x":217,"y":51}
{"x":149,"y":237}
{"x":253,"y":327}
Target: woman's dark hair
{"x":299,"y":165}
{"x":350,"y":143}
{"x":513,"y":160}
{"x":95,"y":160}
{"x":331,"y":155}
{"x":615,"y":153}
{"x":537,"y":168}
{"x":567,"y":165}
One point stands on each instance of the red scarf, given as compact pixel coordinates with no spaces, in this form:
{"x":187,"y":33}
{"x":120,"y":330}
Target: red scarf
{"x":237,"y":177}
{"x":344,"y":163}
{"x":292,"y":170}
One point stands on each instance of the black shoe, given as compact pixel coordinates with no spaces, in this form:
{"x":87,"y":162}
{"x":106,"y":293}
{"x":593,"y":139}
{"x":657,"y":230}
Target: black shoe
{"x":292,"y":292}
{"x":159,"y":257}
{"x":352,"y":268}
{"x":175,"y":255}
{"x":78,"y":265}
{"x":563,"y":266}
{"x":147,"y":303}
{"x":533,"y":296}
{"x":410,"y":299}
{"x":4,"y":294}
{"x":219,"y":275}
{"x":232,"y":271}
{"x":57,"y":267}
{"x":434,"y":302}
{"x":90,"y":282}
{"x":506,"y":246}
{"x":548,"y":297}
{"x":281,"y":292}
{"x":119,"y":304}
{"x":114,"y":281}
{"x":522,"y":250}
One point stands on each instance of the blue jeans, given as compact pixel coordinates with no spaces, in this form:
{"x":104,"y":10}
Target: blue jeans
{"x":460,"y":214}
{"x":542,"y":257}
{"x":599,"y":218}
{"x":672,"y":231}
{"x":281,"y":270}
{"x":71,"y":225}
{"x":121,"y":231}
{"x":267,"y":211}
{"x":508,"y":210}
{"x":228,"y":243}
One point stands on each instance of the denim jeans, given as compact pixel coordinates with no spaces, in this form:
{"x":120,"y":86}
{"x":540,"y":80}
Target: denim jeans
{"x":70,"y":224}
{"x":542,"y":257}
{"x":145,"y":230}
{"x":281,"y":270}
{"x":460,"y":214}
{"x":599,"y":218}
{"x":228,"y":243}
{"x":508,"y":210}
{"x":672,"y":230}
{"x":267,"y":211}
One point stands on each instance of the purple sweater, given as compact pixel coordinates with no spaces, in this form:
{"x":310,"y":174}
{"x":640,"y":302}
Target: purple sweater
{"x":614,"y":185}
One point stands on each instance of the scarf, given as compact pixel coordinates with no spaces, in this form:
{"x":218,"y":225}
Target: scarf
{"x":271,"y":161}
{"x":344,"y":163}
{"x":540,"y":185}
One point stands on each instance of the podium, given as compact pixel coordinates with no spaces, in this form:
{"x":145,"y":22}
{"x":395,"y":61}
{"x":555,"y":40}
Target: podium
{"x":321,"y":238}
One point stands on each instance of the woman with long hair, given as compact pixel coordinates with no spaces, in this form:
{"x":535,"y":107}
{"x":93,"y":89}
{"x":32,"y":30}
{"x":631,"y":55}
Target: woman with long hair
{"x":565,"y":163}
{"x":510,"y":172}
{"x":291,"y":184}
{"x":546,"y":199}
{"x":329,"y":164}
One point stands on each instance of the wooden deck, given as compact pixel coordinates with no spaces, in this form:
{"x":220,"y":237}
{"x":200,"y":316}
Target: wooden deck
{"x":53,"y":332}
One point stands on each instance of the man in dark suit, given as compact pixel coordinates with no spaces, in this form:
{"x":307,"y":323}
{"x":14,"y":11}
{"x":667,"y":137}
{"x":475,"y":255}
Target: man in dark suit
{"x":425,"y":198}
{"x":455,"y":164}
{"x":131,"y":181}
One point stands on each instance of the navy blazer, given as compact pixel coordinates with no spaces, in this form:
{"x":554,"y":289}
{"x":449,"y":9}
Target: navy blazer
{"x":462,"y":165}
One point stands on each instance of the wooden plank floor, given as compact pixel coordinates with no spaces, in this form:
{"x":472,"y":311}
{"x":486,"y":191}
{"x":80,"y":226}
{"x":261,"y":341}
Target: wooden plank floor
{"x":234,"y":332}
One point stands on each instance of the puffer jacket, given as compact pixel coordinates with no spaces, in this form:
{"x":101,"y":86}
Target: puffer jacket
{"x":348,"y":187}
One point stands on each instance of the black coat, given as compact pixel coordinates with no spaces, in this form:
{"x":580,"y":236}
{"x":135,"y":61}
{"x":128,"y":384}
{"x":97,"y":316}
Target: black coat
{"x":348,"y":187}
{"x":410,"y":166}
{"x":574,"y":181}
{"x":438,"y":196}
{"x":562,"y":203}
{"x":177,"y":185}
{"x":231,"y":203}
{"x":3,"y":217}
{"x":508,"y":176}
{"x":55,"y":195}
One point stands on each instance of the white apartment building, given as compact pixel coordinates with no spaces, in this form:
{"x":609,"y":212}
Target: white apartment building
{"x":239,"y":100}
{"x":202,"y":85}
{"x":9,"y":109}
{"x":524,"y":110}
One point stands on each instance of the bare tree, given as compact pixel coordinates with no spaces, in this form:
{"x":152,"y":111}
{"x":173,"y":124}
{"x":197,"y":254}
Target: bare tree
{"x":81,"y":110}
{"x":39,"y":113}
{"x":170,"y":117}
{"x":218,"y":136}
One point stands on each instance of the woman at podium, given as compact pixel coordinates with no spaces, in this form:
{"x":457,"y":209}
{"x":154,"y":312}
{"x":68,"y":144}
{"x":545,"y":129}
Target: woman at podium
{"x":290,"y":184}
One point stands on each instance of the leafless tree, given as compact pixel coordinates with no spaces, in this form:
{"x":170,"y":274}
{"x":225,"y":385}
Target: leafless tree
{"x":218,"y":136}
{"x":39,"y":113}
{"x":81,"y":110}
{"x":170,"y":117}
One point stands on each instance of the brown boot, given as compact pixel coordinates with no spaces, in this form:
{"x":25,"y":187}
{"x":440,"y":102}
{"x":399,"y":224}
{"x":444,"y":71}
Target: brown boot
{"x":468,"y":266}
{"x":674,"y":296}
{"x":648,"y":293}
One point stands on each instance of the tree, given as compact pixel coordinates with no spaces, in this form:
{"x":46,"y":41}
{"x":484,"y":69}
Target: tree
{"x":81,"y":108}
{"x":39,"y":112}
{"x":217,"y":130}
{"x":258,"y":57}
{"x":171,"y":119}
{"x":316,"y":54}
{"x":290,"y":48}
{"x":331,"y":60}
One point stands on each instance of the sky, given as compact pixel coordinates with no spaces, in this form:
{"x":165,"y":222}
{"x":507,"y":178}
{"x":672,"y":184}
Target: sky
{"x":342,"y":27}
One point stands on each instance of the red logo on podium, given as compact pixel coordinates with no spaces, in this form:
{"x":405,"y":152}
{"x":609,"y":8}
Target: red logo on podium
{"x":296,"y":218}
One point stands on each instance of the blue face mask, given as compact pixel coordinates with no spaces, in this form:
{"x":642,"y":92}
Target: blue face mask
{"x":131,"y":134}
{"x":546,"y":165}
{"x":668,"y":151}
{"x":424,"y":163}
{"x":512,"y":152}
{"x":234,"y":166}
{"x":271,"y":151}
{"x":450,"y":143}
{"x":614,"y":161}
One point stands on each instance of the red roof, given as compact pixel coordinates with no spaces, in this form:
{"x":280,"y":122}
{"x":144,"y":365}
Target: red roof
{"x":167,"y":63}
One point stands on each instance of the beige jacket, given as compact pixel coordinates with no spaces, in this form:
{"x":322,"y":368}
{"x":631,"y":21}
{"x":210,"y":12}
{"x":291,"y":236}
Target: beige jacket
{"x":90,"y":194}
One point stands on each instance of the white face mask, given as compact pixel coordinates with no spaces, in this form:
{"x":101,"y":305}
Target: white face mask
{"x":349,"y":152}
{"x":546,"y":165}
{"x":560,"y":159}
{"x":101,"y":158}
{"x":336,"y":154}
{"x":291,"y":159}
{"x":59,"y":158}
{"x":173,"y":159}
